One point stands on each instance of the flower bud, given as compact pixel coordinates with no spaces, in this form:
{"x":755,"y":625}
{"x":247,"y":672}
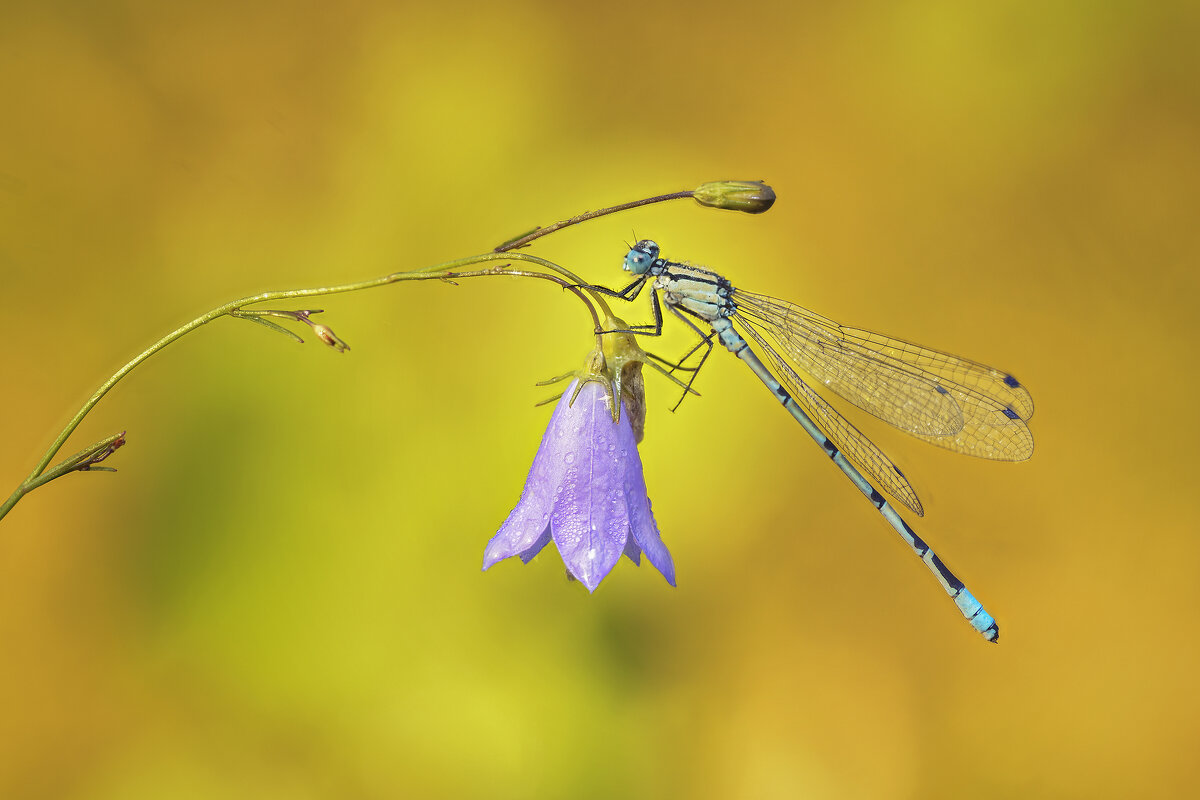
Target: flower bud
{"x":326,"y":335}
{"x":753,"y":197}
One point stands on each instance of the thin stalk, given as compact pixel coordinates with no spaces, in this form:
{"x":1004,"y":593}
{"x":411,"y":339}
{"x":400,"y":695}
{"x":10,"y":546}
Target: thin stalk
{"x":537,"y":233}
{"x":449,"y":270}
{"x":749,"y":196}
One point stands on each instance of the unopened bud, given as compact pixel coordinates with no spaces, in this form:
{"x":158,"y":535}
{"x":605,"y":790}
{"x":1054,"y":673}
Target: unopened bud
{"x":326,"y":335}
{"x":752,"y":197}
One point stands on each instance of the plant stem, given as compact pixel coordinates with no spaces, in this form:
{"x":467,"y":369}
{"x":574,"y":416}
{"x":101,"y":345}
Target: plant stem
{"x":447,"y":271}
{"x":537,"y":233}
{"x":714,"y":194}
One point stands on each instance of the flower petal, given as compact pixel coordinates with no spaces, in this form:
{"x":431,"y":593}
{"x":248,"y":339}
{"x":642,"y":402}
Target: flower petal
{"x":643,"y":529}
{"x":526,"y":531}
{"x":590,"y":520}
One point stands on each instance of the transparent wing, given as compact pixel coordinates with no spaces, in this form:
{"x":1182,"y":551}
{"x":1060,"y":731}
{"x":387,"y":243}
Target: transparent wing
{"x":911,"y":401}
{"x":952,"y":402}
{"x":858,"y":448}
{"x":994,"y":405}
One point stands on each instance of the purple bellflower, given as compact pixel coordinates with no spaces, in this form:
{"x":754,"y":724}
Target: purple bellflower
{"x":585,"y":491}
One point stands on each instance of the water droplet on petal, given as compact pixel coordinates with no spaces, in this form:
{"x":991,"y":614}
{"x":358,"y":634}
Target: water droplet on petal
{"x":569,"y":458}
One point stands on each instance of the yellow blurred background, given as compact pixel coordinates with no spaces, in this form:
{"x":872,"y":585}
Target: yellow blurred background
{"x":279,"y":594}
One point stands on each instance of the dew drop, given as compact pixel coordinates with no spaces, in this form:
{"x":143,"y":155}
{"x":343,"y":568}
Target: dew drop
{"x":569,"y":458}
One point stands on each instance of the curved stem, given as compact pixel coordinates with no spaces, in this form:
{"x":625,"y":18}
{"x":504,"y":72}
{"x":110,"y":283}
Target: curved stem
{"x":537,"y":233}
{"x":721,"y":195}
{"x":447,"y":271}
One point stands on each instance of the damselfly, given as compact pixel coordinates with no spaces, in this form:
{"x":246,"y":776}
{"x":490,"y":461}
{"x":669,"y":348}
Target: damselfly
{"x":958,"y":404}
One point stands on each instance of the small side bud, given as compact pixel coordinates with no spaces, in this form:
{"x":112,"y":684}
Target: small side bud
{"x":323,"y":332}
{"x":752,"y":197}
{"x":326,"y":335}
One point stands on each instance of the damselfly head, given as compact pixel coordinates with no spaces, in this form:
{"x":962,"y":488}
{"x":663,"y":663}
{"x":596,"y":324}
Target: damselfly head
{"x":641,"y":257}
